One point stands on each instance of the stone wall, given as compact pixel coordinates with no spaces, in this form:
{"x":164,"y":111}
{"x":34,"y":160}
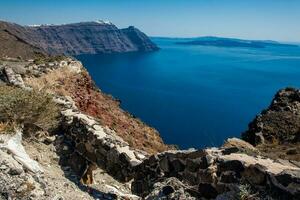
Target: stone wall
{"x":99,"y":145}
{"x":211,"y":172}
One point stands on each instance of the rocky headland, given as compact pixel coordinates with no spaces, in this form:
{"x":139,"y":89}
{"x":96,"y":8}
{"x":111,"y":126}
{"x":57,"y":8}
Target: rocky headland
{"x":61,"y":137}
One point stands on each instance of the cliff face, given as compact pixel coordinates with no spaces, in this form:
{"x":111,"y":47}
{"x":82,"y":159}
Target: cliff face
{"x":77,"y":38}
{"x":142,"y":42}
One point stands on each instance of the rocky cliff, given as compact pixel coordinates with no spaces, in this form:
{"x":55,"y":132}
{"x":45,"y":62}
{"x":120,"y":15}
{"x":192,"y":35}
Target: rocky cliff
{"x":72,"y":39}
{"x":276,"y":130}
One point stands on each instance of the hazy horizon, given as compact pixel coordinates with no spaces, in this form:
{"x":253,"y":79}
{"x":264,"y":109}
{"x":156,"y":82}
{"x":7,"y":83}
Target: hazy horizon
{"x":259,"y":20}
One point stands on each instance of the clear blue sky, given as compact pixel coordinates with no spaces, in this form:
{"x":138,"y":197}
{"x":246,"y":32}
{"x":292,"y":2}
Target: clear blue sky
{"x":253,"y":19}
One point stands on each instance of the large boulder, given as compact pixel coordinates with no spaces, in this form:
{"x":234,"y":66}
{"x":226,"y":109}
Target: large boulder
{"x":234,"y":145}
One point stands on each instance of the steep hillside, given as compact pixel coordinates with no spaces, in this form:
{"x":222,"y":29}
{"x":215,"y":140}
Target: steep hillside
{"x":74,"y":39}
{"x":12,"y":44}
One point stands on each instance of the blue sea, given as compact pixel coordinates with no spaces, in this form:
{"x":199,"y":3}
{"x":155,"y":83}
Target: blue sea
{"x":196,"y":96}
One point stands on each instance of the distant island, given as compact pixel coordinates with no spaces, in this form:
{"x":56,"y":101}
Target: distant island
{"x":232,"y":42}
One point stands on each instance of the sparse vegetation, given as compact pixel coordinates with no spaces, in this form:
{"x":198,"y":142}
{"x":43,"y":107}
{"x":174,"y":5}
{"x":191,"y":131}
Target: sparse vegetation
{"x":52,"y":82}
{"x":43,"y":59}
{"x":246,"y":193}
{"x":27,"y":108}
{"x":6,"y":128}
{"x":28,"y":188}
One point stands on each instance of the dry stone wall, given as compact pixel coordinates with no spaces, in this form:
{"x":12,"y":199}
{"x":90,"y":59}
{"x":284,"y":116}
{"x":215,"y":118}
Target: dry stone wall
{"x":99,"y":145}
{"x":215,"y":171}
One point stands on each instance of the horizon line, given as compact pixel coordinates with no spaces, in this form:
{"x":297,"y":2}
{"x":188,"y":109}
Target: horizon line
{"x":155,"y":36}
{"x":225,"y":37}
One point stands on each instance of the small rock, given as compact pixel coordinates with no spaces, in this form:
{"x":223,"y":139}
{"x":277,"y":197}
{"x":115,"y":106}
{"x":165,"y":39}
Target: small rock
{"x":65,"y":148}
{"x":49,"y":140}
{"x":15,"y":171}
{"x":291,"y":151}
{"x":3,"y":167}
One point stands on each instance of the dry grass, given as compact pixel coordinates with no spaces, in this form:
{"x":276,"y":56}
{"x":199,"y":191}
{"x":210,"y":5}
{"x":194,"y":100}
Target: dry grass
{"x":3,"y":126}
{"x":52,"y":82}
{"x":6,"y":128}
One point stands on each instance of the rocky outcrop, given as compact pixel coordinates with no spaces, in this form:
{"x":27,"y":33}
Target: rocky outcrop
{"x":279,"y":123}
{"x":13,"y":78}
{"x":215,"y":171}
{"x":276,"y":130}
{"x":78,"y":38}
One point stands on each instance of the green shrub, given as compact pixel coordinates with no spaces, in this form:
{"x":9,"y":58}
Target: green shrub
{"x":27,"y":108}
{"x":245,"y":192}
{"x":46,"y":59}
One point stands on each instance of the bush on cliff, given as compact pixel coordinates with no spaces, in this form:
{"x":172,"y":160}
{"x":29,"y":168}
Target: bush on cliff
{"x":42,"y":59}
{"x":27,"y":108}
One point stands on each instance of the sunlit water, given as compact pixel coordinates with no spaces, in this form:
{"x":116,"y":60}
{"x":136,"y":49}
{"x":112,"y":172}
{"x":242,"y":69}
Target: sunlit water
{"x":196,"y":96}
